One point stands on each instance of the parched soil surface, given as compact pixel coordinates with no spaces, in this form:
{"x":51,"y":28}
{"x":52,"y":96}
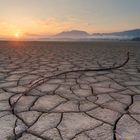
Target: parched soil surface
{"x":69,"y":91}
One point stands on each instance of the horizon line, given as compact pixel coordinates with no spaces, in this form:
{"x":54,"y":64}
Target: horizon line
{"x":38,"y":36}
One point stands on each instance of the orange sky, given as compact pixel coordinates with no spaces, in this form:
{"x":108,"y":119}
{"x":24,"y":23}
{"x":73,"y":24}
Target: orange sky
{"x":36,"y":18}
{"x":33,"y":27}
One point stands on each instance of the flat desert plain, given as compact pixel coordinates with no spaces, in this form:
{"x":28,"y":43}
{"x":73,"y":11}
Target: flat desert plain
{"x":70,"y":90}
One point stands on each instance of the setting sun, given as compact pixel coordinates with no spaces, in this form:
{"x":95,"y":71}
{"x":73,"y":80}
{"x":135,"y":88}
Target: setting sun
{"x":16,"y":35}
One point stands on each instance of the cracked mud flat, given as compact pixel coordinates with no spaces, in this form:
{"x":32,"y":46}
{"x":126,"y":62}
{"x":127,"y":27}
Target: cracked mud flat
{"x":41,"y":100}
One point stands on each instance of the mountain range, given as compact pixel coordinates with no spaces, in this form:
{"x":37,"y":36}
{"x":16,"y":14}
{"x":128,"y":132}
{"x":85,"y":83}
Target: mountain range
{"x":77,"y":34}
{"x":130,"y":33}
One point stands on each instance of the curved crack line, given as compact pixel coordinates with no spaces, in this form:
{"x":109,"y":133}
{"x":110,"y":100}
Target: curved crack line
{"x":41,"y":81}
{"x":59,"y":133}
{"x":38,"y":136}
{"x":98,"y":119}
{"x":134,"y":119}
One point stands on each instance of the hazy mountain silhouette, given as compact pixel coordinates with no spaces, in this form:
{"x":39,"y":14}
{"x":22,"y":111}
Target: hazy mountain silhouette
{"x":136,"y":39}
{"x":83,"y":35}
{"x":129,"y":33}
{"x":77,"y":34}
{"x":72,"y":34}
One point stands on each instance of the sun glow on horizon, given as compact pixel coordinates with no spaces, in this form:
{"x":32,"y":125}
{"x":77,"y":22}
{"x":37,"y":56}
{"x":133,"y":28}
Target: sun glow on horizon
{"x":16,"y":35}
{"x":44,"y":18}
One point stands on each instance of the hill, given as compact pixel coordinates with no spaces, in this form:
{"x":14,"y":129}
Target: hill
{"x":136,"y":39}
{"x":130,"y":33}
{"x":72,"y":34}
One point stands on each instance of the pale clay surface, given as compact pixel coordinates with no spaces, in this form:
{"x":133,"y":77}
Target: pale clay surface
{"x":103,"y":105}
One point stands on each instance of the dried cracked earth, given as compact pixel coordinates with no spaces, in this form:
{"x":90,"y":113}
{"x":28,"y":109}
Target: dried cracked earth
{"x":43,"y":96}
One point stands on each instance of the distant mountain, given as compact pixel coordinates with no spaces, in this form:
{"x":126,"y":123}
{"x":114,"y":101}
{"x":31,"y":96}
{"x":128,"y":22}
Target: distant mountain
{"x":77,"y":34}
{"x":72,"y":34}
{"x":136,"y":39}
{"x":82,"y":35}
{"x":130,"y":33}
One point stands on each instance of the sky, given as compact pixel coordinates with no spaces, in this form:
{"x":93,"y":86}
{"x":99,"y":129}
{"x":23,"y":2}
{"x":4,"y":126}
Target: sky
{"x":48,"y":17}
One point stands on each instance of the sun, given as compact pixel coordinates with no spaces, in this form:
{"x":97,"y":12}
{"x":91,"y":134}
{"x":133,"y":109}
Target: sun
{"x":16,"y":35}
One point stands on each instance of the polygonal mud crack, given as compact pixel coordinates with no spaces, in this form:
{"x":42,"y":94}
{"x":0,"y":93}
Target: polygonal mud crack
{"x":74,"y":123}
{"x":79,"y":105}
{"x":128,"y":128}
{"x":45,"y":123}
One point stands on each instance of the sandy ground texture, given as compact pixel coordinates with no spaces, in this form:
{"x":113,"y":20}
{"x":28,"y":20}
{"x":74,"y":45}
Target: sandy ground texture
{"x":44,"y":96}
